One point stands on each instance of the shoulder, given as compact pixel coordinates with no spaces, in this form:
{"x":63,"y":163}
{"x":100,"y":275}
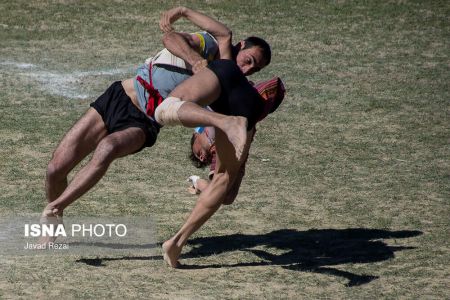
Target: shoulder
{"x":207,"y":44}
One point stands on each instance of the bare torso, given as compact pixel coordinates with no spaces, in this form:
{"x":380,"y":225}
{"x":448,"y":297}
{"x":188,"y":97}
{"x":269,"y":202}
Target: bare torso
{"x":128,"y":86}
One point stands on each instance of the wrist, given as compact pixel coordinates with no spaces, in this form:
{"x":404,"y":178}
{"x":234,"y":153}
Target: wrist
{"x":182,"y":11}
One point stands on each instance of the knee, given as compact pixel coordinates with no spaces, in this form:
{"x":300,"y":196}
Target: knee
{"x":57,"y":168}
{"x":167,"y":112}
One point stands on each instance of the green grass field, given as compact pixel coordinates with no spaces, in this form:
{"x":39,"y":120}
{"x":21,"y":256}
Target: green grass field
{"x":348,"y":184}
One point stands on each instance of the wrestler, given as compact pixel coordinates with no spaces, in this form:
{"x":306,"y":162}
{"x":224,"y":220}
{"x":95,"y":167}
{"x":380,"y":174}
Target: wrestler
{"x":225,"y":89}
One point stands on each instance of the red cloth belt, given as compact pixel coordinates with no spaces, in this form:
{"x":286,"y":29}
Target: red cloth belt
{"x":154,"y":98}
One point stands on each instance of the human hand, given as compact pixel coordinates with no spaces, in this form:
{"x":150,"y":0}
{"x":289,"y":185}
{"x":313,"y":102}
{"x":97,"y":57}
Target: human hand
{"x":169,"y":17}
{"x":193,"y":188}
{"x":193,"y":180}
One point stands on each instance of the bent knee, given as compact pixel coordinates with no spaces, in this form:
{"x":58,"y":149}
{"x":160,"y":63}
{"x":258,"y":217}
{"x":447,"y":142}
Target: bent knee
{"x":57,"y":168}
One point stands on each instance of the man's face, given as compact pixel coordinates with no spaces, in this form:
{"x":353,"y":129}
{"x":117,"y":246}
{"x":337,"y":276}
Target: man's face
{"x":201,"y":147}
{"x":250,"y":60}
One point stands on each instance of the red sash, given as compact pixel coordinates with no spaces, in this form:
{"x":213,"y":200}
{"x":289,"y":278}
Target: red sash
{"x":154,"y":98}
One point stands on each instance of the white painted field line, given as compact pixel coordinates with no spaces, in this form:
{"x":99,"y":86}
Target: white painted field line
{"x":17,"y":65}
{"x":58,"y":83}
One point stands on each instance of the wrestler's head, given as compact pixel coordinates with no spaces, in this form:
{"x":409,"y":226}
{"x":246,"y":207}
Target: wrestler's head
{"x":252,"y":54}
{"x":201,"y":150}
{"x":272,"y":92}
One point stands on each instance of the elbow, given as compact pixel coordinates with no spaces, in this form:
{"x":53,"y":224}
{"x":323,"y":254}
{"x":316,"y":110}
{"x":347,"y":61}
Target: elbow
{"x":164,"y":38}
{"x":228,"y":35}
{"x":167,"y":38}
{"x":224,"y":37}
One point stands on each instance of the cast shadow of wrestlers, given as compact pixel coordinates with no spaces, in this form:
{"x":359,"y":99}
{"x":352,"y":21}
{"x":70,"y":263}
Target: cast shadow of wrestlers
{"x":315,"y":250}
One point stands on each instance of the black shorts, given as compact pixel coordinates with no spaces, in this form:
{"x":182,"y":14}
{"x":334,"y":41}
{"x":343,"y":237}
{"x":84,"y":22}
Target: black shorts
{"x":237,"y":96}
{"x":118,"y":112}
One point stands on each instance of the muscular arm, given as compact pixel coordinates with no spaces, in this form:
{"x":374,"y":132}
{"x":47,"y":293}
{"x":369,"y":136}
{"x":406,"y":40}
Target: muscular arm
{"x":233,"y":190}
{"x":185,"y":46}
{"x":231,"y":194}
{"x":221,"y":33}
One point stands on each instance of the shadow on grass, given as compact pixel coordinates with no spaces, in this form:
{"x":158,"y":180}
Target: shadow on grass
{"x":311,"y":251}
{"x":307,"y":251}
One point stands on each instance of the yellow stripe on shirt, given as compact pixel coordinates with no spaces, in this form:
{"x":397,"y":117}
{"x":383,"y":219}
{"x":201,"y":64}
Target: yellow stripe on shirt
{"x":202,"y":43}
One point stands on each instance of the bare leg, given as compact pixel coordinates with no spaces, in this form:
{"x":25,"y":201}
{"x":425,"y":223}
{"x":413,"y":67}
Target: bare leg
{"x":210,"y":200}
{"x":115,"y":145}
{"x":203,"y":89}
{"x":79,"y":141}
{"x":208,"y":203}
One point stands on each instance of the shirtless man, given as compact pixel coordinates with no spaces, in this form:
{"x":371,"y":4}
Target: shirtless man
{"x":224,"y":88}
{"x":203,"y":149}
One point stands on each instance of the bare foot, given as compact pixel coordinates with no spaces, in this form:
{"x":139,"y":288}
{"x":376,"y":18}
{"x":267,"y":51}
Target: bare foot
{"x":171,"y":252}
{"x":236,"y":130}
{"x":49,"y":216}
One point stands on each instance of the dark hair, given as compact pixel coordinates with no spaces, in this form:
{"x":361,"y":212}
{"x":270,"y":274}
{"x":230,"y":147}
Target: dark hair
{"x":195,"y":161}
{"x":254,"y":41}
